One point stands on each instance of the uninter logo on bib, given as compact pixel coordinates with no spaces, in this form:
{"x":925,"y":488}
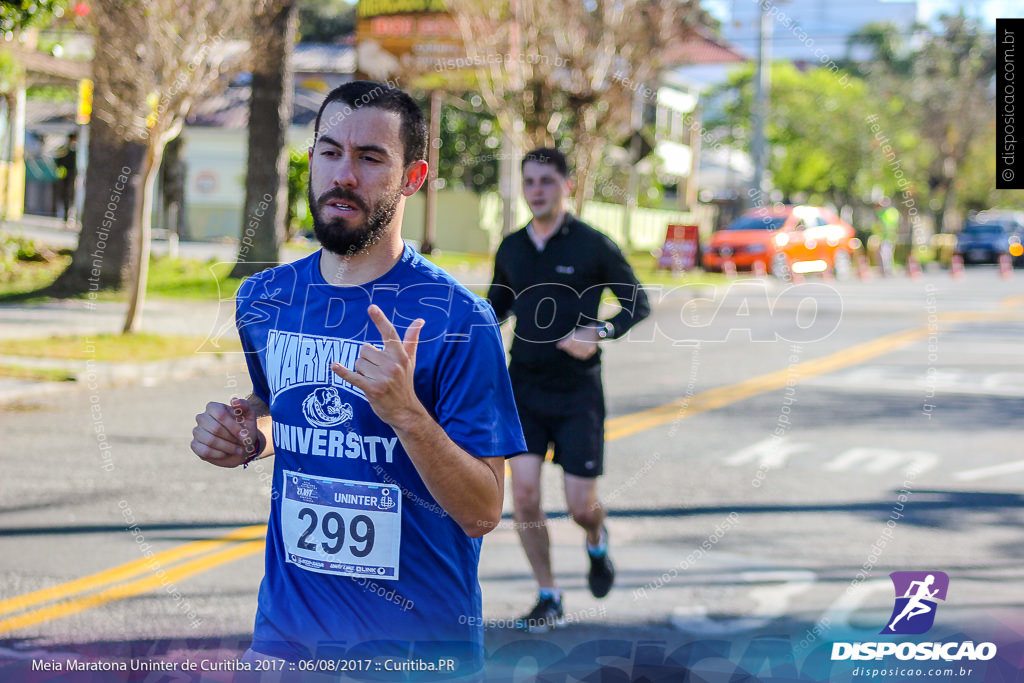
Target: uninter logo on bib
{"x":917,"y":594}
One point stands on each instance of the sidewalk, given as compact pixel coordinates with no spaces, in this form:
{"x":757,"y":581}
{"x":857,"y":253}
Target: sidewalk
{"x":52,"y":231}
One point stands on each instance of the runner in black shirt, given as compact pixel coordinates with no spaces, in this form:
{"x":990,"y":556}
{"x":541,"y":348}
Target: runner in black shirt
{"x":551,"y":275}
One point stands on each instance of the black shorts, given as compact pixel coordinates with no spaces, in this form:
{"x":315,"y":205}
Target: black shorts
{"x":572,"y":420}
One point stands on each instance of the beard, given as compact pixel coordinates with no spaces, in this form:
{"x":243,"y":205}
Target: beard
{"x":336,"y":237}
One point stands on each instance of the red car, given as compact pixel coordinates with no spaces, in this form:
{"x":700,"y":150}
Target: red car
{"x":786,"y":239}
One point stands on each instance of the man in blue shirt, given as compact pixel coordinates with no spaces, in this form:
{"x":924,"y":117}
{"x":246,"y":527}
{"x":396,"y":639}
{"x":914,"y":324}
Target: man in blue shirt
{"x":379,"y":384}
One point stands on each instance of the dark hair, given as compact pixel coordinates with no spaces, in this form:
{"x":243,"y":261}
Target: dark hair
{"x":548,"y":155}
{"x":357,"y":94}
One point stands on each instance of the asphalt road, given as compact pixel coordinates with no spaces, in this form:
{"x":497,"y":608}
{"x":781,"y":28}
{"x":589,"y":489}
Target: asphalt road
{"x":774,"y":452}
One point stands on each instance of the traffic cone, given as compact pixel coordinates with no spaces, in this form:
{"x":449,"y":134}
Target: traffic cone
{"x":760,"y":270}
{"x":1005,"y":266}
{"x":729,"y":268}
{"x":913,"y":268}
{"x":956,"y":267}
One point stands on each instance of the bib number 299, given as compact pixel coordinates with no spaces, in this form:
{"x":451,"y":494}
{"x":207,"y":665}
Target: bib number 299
{"x":340,"y":526}
{"x":332,"y":527}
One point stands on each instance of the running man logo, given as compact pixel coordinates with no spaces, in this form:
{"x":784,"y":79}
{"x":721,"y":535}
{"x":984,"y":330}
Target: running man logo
{"x":916,"y":595}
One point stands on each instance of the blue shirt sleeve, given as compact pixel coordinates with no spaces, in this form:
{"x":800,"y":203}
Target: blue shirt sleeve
{"x":245,"y":323}
{"x":475,"y":406}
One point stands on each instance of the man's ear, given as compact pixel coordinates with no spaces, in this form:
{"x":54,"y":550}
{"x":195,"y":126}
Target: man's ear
{"x":415,"y":176}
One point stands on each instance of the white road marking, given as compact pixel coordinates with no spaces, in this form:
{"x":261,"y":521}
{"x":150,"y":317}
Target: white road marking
{"x":770,"y":453}
{"x":990,"y":471}
{"x":878,"y":460}
{"x":772,"y":602}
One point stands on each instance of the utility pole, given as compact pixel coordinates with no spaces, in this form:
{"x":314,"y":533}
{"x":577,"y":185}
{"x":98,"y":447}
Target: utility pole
{"x":509,"y":172}
{"x":758,"y":147}
{"x":430,"y":205}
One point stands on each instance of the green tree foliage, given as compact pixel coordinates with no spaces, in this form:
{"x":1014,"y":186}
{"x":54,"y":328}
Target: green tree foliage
{"x":326,"y":21}
{"x":18,"y":15}
{"x":941,"y":78}
{"x":297,"y":217}
{"x":470,"y":145}
{"x":910,"y":119}
{"x":821,"y":144}
{"x":11,"y":72}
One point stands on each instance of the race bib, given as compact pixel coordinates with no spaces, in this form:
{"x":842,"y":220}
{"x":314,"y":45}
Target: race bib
{"x":341,"y":527}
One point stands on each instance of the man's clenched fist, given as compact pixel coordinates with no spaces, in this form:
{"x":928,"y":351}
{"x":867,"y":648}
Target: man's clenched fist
{"x":226,"y":435}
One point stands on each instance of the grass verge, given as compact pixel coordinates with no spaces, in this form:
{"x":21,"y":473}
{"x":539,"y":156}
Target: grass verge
{"x":114,"y":347}
{"x":40,"y":374}
{"x":208,"y":280}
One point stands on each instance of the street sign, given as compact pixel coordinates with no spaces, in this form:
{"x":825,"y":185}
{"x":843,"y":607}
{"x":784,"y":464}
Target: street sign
{"x":680,"y":249}
{"x":409,"y":36}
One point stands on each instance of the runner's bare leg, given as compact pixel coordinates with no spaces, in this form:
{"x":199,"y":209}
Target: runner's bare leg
{"x":584,"y":507}
{"x":531,"y":522}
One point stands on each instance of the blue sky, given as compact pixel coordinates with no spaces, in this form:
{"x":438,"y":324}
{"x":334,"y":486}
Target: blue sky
{"x":927,"y":10}
{"x":986,"y":10}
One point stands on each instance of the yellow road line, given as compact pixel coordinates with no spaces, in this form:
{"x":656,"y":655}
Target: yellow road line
{"x":979,"y":316}
{"x":1012,"y":301}
{"x":127,"y":590}
{"x":711,"y":399}
{"x":129,"y":569}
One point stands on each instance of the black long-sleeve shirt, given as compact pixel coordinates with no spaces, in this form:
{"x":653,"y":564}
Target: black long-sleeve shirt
{"x":557,"y":289}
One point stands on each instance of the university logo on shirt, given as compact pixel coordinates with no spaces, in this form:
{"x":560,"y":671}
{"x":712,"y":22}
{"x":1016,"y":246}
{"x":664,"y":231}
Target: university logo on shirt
{"x":296,"y":360}
{"x":323,"y":408}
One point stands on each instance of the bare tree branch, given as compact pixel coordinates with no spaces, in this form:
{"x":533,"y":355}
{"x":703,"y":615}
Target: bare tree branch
{"x":564,"y":69}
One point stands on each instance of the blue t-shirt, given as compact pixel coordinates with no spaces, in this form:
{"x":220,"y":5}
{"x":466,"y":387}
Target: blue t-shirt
{"x":361,"y":560}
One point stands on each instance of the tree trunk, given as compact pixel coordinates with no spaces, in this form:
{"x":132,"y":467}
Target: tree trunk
{"x":140,"y":265}
{"x":948,"y":205}
{"x":107,"y":242}
{"x":587,"y":159}
{"x":270,"y":112}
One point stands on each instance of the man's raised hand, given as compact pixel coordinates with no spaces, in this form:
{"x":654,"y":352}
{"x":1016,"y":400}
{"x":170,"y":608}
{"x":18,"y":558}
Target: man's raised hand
{"x":226,"y":435}
{"x":386,"y":376}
